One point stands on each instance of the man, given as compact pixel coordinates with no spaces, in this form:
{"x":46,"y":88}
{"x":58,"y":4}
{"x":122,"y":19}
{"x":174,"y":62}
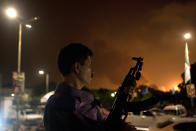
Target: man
{"x":70,"y":108}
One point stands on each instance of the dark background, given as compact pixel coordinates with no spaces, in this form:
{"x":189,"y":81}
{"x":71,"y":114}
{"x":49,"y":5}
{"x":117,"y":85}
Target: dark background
{"x":114,"y":30}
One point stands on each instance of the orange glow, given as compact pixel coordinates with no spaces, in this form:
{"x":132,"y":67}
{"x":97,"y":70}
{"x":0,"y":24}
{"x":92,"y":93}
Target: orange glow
{"x":163,"y":88}
{"x":175,"y":85}
{"x":170,"y":86}
{"x":176,"y":88}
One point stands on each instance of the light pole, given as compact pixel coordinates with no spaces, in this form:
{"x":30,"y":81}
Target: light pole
{"x":19,"y":48}
{"x":187,"y":74}
{"x":42,"y":72}
{"x":18,"y":76}
{"x":12,"y":13}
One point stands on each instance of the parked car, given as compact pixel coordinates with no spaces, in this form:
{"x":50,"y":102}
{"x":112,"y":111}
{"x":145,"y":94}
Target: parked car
{"x":30,"y":114}
{"x":179,"y":126}
{"x":177,"y":110}
{"x":149,"y":119}
{"x":157,"y":111}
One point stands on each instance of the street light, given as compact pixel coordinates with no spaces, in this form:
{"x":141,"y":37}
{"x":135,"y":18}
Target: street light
{"x":190,"y":88}
{"x":28,"y":26}
{"x":42,"y":72}
{"x":187,"y":36}
{"x":11,"y":12}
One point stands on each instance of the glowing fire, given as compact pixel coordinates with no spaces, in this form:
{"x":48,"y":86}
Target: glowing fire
{"x":176,"y":88}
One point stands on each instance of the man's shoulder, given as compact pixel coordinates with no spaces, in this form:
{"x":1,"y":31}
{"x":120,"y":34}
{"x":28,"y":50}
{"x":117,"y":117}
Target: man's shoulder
{"x":58,"y":117}
{"x":57,"y":109}
{"x":60,"y":102}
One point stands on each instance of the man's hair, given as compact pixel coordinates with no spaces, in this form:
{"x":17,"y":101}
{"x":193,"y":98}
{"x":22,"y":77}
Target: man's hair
{"x":70,"y":54}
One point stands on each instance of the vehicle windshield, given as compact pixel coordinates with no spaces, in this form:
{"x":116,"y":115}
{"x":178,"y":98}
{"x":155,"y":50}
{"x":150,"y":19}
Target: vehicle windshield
{"x":172,"y":112}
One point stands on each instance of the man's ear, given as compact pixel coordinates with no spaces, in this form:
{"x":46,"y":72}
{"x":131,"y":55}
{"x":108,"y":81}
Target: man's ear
{"x":76,"y":67}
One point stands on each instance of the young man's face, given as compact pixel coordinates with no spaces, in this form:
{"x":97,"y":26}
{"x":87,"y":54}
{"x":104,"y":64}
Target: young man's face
{"x":85,"y":74}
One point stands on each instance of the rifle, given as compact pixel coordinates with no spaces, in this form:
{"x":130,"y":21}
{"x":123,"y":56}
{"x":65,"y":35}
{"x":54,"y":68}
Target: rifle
{"x":119,"y":108}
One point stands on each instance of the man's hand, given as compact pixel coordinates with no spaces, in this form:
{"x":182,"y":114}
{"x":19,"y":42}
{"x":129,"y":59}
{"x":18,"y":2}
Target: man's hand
{"x":130,"y":90}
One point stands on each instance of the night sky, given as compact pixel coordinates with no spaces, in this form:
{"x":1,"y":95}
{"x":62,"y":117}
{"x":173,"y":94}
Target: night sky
{"x":115,"y":31}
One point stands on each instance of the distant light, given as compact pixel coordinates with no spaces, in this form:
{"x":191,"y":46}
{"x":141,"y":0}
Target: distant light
{"x":35,"y":18}
{"x":28,"y":26}
{"x":11,"y":12}
{"x":187,"y":36}
{"x":142,"y":128}
{"x":41,"y":72}
{"x":176,"y":89}
{"x":112,"y":94}
{"x":12,"y":94}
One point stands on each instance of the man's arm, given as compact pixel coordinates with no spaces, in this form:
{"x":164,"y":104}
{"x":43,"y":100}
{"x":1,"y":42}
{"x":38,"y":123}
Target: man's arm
{"x":58,"y":120}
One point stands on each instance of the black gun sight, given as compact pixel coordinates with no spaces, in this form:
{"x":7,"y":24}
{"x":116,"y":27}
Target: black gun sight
{"x":137,"y":58}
